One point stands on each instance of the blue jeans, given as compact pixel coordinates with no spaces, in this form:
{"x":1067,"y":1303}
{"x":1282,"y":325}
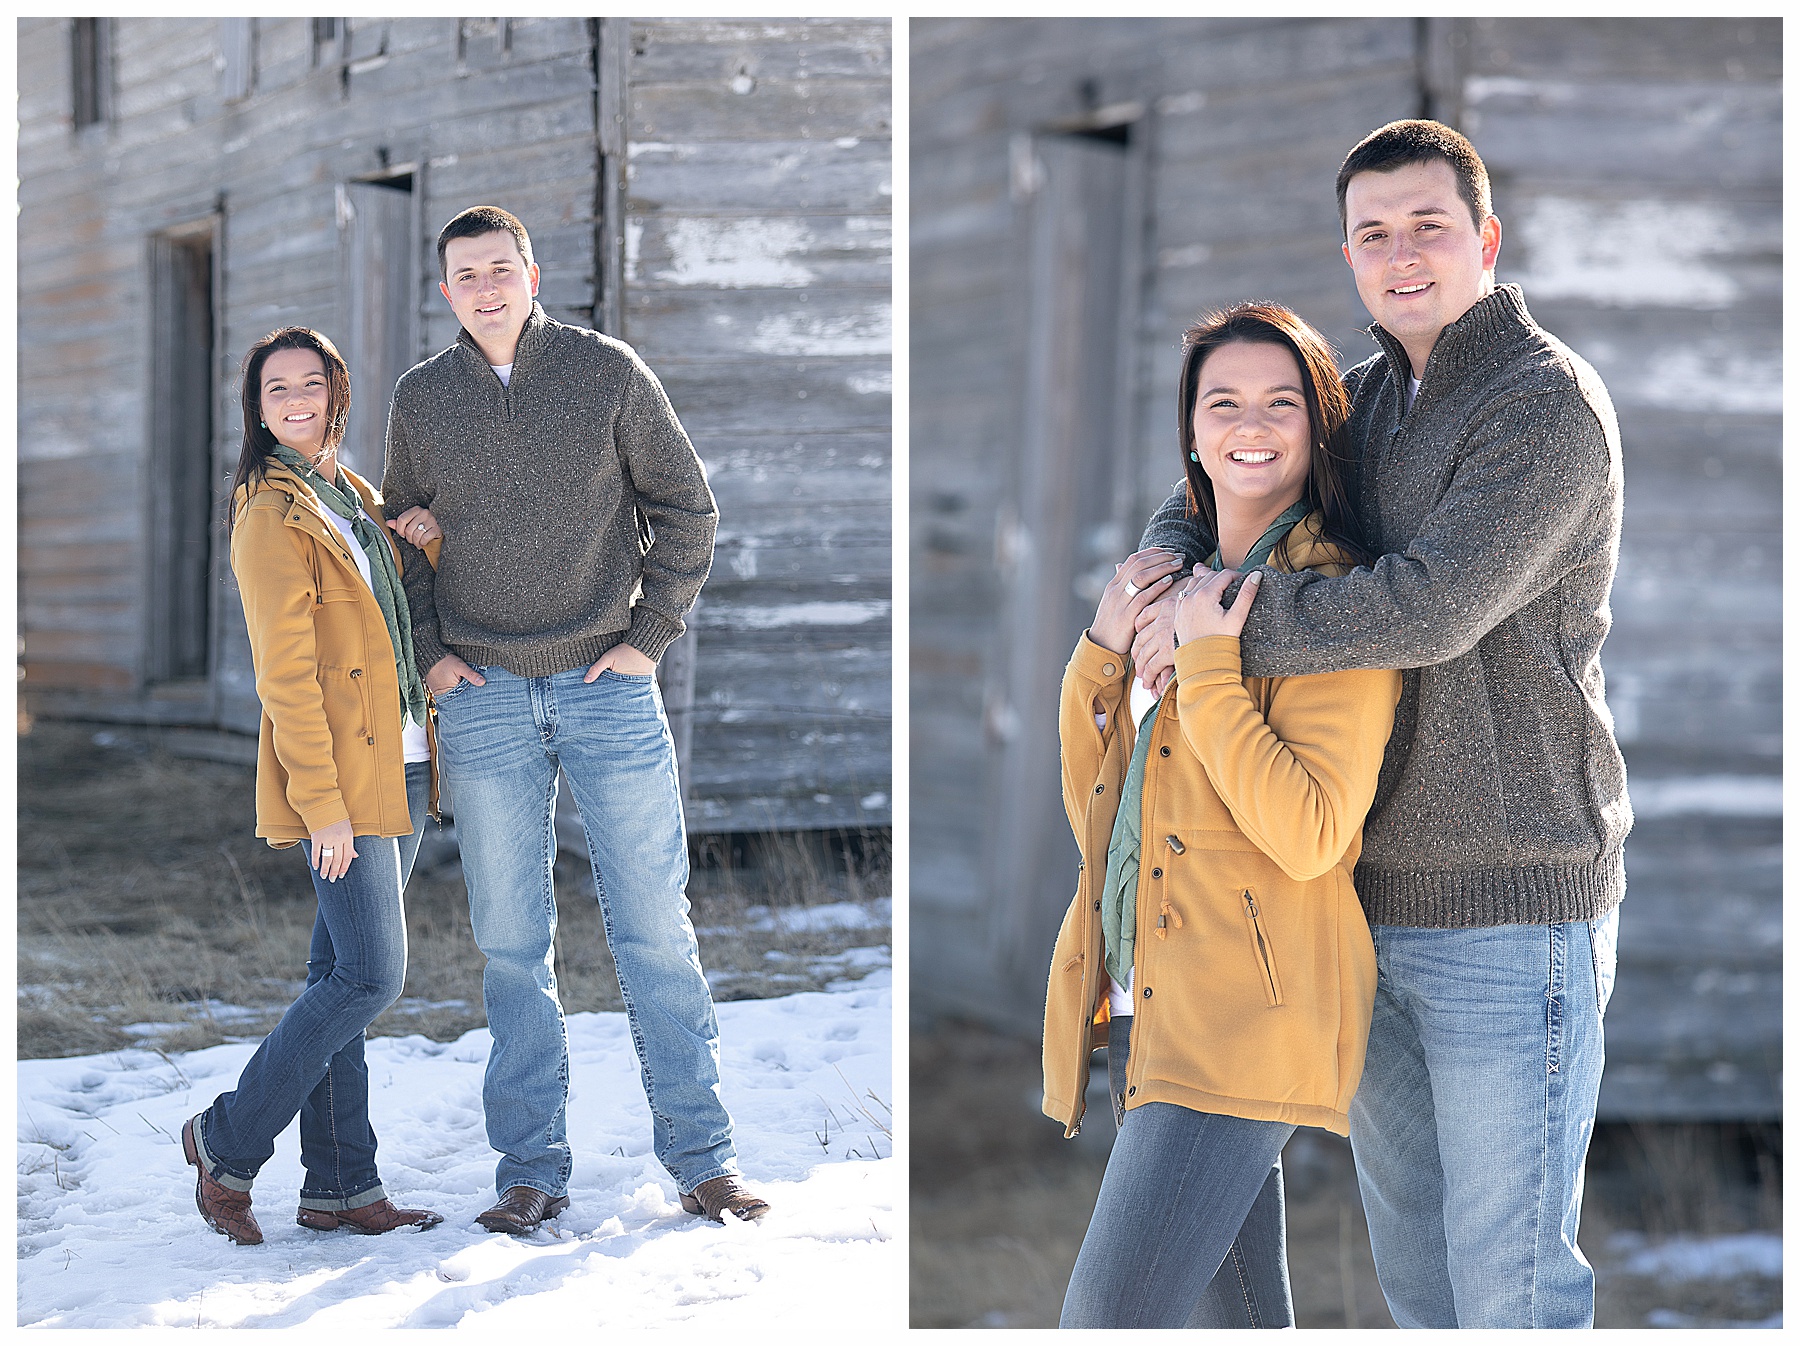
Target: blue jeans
{"x":1189,"y":1229}
{"x":1471,"y":1125}
{"x":501,"y":745}
{"x":312,"y":1064}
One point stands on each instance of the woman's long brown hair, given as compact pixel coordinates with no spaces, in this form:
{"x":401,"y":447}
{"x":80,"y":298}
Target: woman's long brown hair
{"x":259,"y":440}
{"x":1327,"y":412}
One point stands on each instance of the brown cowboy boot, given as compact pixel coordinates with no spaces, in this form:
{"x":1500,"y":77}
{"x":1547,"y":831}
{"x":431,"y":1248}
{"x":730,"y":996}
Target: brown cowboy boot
{"x":378,"y":1217}
{"x":520,"y":1211}
{"x":725,"y":1195}
{"x":226,"y":1210}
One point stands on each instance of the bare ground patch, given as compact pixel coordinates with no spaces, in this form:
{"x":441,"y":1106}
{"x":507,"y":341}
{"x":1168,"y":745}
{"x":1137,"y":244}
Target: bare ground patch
{"x":150,"y":914}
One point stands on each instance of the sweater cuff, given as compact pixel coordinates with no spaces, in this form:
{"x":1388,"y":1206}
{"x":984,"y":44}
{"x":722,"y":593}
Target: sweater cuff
{"x":651,"y":633}
{"x":1211,"y":658}
{"x":427,"y":650}
{"x":1098,"y":664}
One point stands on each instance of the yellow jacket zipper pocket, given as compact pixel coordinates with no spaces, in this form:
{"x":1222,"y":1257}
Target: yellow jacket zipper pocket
{"x":1265,"y":954}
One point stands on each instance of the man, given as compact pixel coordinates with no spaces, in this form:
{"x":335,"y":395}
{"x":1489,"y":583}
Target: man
{"x":578,"y":529}
{"x":1490,"y":486}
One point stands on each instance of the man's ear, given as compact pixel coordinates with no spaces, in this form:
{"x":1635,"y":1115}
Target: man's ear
{"x":1490,"y":242}
{"x":444,"y":290}
{"x":1347,"y":261}
{"x":531,"y":271}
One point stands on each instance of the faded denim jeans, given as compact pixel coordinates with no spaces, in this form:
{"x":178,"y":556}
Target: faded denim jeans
{"x":312,"y":1064}
{"x":1189,"y":1229}
{"x":501,"y":745}
{"x":1471,"y":1125}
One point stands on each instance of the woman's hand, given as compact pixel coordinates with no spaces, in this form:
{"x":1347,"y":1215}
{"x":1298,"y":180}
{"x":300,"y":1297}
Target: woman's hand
{"x":417,"y":526}
{"x":1139,"y":580}
{"x":1197,"y":609}
{"x":333,"y":848}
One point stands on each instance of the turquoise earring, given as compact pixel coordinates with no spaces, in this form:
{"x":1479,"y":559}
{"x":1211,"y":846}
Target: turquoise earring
{"x":1193,"y":455}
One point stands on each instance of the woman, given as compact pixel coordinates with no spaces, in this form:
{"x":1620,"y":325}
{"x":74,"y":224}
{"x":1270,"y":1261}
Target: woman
{"x":1215,"y":944}
{"x":343,"y":768}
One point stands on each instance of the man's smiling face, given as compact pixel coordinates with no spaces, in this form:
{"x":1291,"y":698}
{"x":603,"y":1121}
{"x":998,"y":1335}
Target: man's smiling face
{"x":490,"y":287}
{"x":1420,"y":260}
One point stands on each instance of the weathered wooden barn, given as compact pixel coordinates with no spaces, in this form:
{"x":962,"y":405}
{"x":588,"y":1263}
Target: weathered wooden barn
{"x":1082,"y":189}
{"x":716,"y":193}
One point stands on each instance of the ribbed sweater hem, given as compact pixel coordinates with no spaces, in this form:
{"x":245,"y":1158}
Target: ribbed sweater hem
{"x":538,"y":660}
{"x":1502,"y":895}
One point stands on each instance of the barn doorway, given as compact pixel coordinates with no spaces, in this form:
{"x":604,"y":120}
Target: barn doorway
{"x":378,"y":224}
{"x":1064,"y":524}
{"x":182,"y":516}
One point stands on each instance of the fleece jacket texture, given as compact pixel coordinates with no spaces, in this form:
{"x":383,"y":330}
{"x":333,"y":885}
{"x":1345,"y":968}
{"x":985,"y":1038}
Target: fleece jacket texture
{"x":575,"y":512}
{"x":1494,"y":505}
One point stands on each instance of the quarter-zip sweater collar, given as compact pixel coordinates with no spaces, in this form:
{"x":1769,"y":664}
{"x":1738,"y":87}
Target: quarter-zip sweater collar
{"x":1480,"y":336}
{"x":533,"y":338}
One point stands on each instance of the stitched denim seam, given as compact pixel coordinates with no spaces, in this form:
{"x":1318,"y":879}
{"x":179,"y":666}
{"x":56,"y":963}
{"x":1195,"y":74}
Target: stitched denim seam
{"x":1235,"y":1257}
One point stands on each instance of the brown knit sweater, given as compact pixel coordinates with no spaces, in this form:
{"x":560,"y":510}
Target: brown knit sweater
{"x":1494,"y":505}
{"x":576,"y":514}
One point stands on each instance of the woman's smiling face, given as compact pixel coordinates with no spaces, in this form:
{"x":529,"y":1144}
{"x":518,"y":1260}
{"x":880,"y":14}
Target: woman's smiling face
{"x":1251,"y":426}
{"x":296,"y":400}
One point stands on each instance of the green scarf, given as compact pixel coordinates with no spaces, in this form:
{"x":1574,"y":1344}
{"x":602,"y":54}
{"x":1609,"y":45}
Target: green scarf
{"x":384,"y":574}
{"x":1271,"y":539}
{"x":1118,"y":917}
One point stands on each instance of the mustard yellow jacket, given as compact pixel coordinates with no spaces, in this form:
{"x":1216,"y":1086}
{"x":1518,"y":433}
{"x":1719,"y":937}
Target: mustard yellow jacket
{"x":331,"y":713}
{"x":1255,"y":973}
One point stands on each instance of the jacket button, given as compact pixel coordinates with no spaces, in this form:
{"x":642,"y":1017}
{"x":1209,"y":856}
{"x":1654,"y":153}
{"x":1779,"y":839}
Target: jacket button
{"x":1132,"y":1090}
{"x":1165,"y":750}
{"x":1100,"y":789}
{"x":371,"y":740}
{"x":1156,"y":873}
{"x":1109,"y":669}
{"x":356,"y":672}
{"x":1096,"y":904}
{"x":1146,"y":993}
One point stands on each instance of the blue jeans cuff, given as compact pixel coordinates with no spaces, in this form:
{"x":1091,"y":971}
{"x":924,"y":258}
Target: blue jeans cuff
{"x":367,"y":1197}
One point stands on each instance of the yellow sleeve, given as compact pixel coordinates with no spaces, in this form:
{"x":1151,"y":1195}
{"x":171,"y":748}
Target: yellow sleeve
{"x":279,"y":590}
{"x":1094,"y":676}
{"x":1298,"y":783}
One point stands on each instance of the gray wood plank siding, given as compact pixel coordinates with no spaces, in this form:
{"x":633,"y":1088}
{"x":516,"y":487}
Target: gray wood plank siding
{"x":1636,"y":171}
{"x":758,"y":288}
{"x":762,"y":299}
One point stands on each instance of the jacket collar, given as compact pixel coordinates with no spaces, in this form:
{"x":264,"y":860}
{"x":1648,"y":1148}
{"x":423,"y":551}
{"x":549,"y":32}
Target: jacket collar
{"x":532,"y":339}
{"x":1494,"y":320}
{"x":283,"y":480}
{"x":1307,"y":544}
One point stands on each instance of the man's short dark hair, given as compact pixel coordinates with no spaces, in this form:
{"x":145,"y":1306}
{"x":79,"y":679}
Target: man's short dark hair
{"x":1415,"y":141}
{"x":477,"y":221}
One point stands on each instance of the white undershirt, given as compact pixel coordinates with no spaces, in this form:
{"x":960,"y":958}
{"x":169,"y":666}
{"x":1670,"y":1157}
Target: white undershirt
{"x":413,"y":745}
{"x":504,"y":374}
{"x":1413,"y":396}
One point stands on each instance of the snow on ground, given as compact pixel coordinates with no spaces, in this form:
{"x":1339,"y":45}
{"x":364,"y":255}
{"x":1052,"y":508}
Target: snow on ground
{"x":109,"y":1237}
{"x":827,"y":916}
{"x":1696,"y":1258}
